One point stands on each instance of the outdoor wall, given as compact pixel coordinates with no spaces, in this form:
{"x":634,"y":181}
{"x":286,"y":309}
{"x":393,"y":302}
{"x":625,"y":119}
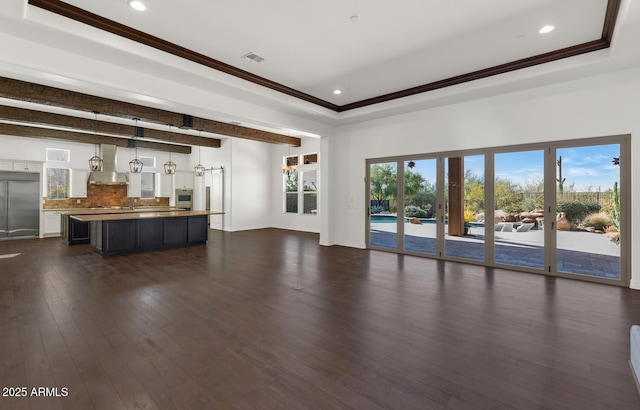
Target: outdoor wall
{"x":592,"y":107}
{"x":283,"y":220}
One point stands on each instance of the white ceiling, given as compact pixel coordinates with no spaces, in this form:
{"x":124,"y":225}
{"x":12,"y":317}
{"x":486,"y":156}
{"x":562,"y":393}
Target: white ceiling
{"x":312,"y":47}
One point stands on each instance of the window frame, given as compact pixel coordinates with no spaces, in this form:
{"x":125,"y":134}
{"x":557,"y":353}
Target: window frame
{"x":48,"y":182}
{"x":300,"y":192}
{"x":153,"y":185}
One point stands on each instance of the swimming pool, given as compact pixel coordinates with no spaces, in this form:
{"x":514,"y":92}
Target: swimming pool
{"x":388,"y":219}
{"x":393,"y":218}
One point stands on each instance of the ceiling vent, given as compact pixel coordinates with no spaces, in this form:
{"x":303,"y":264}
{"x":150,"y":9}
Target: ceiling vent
{"x":253,"y":57}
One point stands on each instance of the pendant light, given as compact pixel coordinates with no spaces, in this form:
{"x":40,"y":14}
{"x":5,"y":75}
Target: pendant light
{"x":199,"y":169}
{"x":169,"y":166}
{"x":290,"y":166}
{"x":95,"y":162}
{"x":135,"y":165}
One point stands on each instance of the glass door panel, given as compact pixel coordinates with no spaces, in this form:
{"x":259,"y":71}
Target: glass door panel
{"x":464,"y":199}
{"x":420,"y":206}
{"x":519,"y":209}
{"x":588,"y":210}
{"x":383,"y":225}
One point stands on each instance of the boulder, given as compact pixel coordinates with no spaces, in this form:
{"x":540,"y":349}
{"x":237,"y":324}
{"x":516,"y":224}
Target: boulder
{"x":415,"y":221}
{"x":562,"y":224}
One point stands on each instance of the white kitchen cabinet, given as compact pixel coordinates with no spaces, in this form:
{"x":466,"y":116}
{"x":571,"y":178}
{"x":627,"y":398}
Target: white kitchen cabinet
{"x":134,"y":189}
{"x":6,"y":166}
{"x":79,"y":183}
{"x":51,"y":222}
{"x":165,"y":185}
{"x":25,"y":166}
{"x":184,"y":180}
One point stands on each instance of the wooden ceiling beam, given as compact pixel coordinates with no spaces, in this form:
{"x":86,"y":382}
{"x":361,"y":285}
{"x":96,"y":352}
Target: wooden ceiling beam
{"x":46,"y":118}
{"x":37,"y":132}
{"x":41,"y":94}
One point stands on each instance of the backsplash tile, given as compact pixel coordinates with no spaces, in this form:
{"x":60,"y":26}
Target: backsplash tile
{"x":103,"y":196}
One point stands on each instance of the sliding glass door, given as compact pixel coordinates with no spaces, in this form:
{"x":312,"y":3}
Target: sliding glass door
{"x":383,"y":206}
{"x":464,"y":200}
{"x":588,"y":210}
{"x":420,"y":214}
{"x":557,"y":208}
{"x":518,"y":191}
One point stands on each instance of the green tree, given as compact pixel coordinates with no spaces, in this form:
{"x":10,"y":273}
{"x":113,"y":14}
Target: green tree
{"x":425,"y":198}
{"x":383,"y":184}
{"x":533,"y":193}
{"x":508,"y":195}
{"x":413,"y":183}
{"x":292,"y":183}
{"x":473,"y":192}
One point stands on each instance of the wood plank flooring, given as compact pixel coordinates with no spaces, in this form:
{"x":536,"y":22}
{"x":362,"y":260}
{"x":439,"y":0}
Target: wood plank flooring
{"x":268,"y":319}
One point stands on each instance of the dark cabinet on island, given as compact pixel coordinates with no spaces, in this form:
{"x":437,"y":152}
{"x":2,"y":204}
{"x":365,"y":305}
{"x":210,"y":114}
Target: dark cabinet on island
{"x":125,"y":233}
{"x":73,"y":232}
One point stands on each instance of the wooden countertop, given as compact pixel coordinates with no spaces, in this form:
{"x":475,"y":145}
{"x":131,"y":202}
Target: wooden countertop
{"x":140,"y":215}
{"x":101,"y":211}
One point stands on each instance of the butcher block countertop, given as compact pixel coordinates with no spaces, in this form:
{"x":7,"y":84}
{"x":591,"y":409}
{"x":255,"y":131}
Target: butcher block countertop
{"x":139,"y":215}
{"x":116,"y":210}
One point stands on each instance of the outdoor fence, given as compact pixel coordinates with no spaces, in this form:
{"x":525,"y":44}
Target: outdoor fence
{"x":600,"y":198}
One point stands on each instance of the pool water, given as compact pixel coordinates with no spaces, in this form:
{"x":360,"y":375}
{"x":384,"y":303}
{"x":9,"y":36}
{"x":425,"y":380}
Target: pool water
{"x":391,"y":219}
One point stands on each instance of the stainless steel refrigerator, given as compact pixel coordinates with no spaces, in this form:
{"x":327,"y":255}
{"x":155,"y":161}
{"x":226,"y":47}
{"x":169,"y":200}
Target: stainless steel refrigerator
{"x":19,"y":204}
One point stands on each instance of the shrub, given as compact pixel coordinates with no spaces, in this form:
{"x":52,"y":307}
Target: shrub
{"x":377,"y":209}
{"x":412,"y":211}
{"x":469,"y":215}
{"x":599,"y":221}
{"x":576,"y":211}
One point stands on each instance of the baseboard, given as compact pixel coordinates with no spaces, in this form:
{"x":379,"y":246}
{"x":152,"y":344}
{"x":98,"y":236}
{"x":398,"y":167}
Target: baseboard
{"x":635,"y":378}
{"x":358,"y":245}
{"x":635,"y":284}
{"x":248,"y":228}
{"x":295,"y":228}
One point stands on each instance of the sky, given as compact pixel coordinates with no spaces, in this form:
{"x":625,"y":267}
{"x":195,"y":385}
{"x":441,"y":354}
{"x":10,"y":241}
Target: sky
{"x":587,"y":168}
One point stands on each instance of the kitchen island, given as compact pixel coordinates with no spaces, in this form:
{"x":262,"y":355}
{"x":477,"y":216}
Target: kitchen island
{"x":75,"y":232}
{"x":112,"y":234}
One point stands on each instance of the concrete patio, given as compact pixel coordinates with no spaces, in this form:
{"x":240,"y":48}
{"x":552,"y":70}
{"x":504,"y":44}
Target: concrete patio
{"x":581,"y":253}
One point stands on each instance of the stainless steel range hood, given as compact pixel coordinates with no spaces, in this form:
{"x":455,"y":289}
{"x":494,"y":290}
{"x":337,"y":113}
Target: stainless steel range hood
{"x":108,"y":174}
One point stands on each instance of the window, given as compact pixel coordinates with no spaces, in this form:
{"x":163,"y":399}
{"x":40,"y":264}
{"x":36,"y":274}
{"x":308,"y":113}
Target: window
{"x":148,"y":181}
{"x":57,"y":183}
{"x":58,"y":155}
{"x":148,"y":162}
{"x":310,"y":192}
{"x":300,"y":184}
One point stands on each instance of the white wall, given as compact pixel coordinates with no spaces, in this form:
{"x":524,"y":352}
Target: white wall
{"x":283,"y":220}
{"x":592,"y":107}
{"x":250,"y":186}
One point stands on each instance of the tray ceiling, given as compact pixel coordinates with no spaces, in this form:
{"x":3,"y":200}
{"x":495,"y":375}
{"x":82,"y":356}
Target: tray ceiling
{"x":372,"y":51}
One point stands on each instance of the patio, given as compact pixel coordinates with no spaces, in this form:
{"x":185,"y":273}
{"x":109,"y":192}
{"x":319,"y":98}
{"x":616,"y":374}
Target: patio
{"x":580,"y":253}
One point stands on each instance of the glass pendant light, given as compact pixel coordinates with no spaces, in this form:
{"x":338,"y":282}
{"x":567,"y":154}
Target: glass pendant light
{"x":135,"y":165}
{"x":199,"y":169}
{"x":169,"y":166}
{"x":95,"y":162}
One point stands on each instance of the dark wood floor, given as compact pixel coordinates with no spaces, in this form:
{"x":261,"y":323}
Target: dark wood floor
{"x":225,"y":326}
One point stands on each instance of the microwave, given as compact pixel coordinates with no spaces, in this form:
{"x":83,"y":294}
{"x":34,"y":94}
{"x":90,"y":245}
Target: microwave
{"x":184,"y":198}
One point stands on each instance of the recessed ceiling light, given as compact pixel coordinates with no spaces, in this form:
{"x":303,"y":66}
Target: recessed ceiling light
{"x":546,"y":29}
{"x":337,"y":92}
{"x":137,"y":5}
{"x":354,"y":18}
